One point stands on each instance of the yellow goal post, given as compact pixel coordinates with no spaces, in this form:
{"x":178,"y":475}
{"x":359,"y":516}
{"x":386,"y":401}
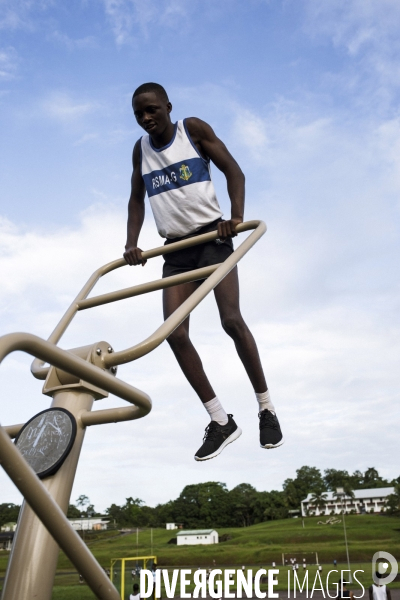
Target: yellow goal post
{"x":125,"y":571}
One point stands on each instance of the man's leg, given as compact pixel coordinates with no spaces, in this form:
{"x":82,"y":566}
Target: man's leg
{"x":181,"y":345}
{"x":222,"y":430}
{"x":227,"y":297}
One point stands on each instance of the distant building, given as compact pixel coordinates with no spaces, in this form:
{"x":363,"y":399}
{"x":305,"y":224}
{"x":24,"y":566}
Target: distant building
{"x":364,"y":501}
{"x":7,"y":535}
{"x":173,"y":526}
{"x":6,"y":538}
{"x":89,"y":524}
{"x":86,"y":524}
{"x":197,"y":536}
{"x":9,"y":527}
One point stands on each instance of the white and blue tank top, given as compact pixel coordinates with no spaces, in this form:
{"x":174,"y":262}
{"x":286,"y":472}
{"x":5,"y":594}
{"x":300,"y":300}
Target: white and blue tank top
{"x":178,"y":184}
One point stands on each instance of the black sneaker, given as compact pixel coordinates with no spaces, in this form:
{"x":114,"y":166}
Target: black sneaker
{"x":216,"y":438}
{"x":270,"y":431}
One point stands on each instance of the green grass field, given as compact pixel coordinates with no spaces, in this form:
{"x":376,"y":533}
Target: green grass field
{"x":257,"y":546}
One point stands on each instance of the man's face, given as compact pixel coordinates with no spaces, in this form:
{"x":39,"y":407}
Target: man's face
{"x":152,"y":113}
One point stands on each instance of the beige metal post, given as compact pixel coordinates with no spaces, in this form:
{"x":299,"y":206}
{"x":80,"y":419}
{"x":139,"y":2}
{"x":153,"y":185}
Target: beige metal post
{"x":55,"y":521}
{"x":34,"y":555}
{"x":42,"y":525}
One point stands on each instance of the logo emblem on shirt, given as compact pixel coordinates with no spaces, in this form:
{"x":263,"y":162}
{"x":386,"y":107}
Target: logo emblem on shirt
{"x":185,"y":172}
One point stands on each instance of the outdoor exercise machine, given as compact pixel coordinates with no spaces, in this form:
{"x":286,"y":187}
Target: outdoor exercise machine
{"x":43,"y":461}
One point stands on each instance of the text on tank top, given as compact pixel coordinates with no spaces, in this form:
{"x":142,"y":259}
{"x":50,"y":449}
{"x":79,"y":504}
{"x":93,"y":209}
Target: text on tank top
{"x":178,"y":184}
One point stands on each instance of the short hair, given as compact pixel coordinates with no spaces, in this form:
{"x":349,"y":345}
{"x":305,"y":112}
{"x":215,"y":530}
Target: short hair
{"x":151,"y":87}
{"x":135,"y":587}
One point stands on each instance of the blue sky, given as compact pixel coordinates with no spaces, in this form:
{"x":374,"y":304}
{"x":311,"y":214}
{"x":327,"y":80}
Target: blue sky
{"x":305,"y":94}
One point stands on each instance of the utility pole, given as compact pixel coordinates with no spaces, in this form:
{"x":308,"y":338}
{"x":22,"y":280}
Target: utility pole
{"x":341,"y":493}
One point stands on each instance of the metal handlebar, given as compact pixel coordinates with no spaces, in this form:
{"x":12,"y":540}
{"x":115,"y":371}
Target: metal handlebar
{"x":214,"y":275}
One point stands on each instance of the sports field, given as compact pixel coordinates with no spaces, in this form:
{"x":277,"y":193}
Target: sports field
{"x":253,"y":547}
{"x":263,"y":543}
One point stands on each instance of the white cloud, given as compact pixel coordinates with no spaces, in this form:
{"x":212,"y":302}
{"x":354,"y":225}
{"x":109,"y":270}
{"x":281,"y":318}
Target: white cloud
{"x":20,"y":14}
{"x":327,"y":166}
{"x":127,"y":15}
{"x":61,"y":106}
{"x":8,"y":63}
{"x":250,"y":129}
{"x":367,"y":29}
{"x":73,"y":43}
{"x":356,"y":24}
{"x":330,"y":354}
{"x":109,"y":138}
{"x":88,"y":137}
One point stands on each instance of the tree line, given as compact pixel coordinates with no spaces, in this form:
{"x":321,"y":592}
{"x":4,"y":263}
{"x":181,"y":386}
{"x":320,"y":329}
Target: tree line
{"x":213,"y":505}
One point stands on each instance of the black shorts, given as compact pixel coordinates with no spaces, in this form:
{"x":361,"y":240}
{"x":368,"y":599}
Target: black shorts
{"x":203,"y":255}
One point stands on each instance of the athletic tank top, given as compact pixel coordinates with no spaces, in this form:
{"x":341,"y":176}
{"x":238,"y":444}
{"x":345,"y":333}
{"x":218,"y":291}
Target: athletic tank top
{"x":379,"y":592}
{"x":178,"y":184}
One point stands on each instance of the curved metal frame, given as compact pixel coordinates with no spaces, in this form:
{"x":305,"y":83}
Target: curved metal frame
{"x":34,"y":491}
{"x":214,"y":275}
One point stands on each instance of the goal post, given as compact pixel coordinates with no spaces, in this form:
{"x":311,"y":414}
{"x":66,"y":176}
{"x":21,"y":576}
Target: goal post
{"x":125,"y":572}
{"x":292,"y":558}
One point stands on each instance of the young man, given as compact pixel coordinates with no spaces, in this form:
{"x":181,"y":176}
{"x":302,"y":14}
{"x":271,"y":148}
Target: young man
{"x":135,"y":592}
{"x":171,"y":164}
{"x":343,"y":592}
{"x":378,"y":591}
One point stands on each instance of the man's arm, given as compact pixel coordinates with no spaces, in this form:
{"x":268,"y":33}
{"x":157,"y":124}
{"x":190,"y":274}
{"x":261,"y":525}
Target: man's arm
{"x":133,"y":254}
{"x":212,"y":147}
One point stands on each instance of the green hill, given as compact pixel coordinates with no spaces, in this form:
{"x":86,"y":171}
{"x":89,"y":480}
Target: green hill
{"x":263,"y":543}
{"x":258,"y":545}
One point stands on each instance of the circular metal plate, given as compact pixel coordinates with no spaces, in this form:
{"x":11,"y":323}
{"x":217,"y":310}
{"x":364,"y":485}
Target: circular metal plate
{"x":46,"y":440}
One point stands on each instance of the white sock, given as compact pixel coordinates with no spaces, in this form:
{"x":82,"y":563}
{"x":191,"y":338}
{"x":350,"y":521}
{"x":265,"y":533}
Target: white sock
{"x":264,"y":401}
{"x":216,"y":411}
